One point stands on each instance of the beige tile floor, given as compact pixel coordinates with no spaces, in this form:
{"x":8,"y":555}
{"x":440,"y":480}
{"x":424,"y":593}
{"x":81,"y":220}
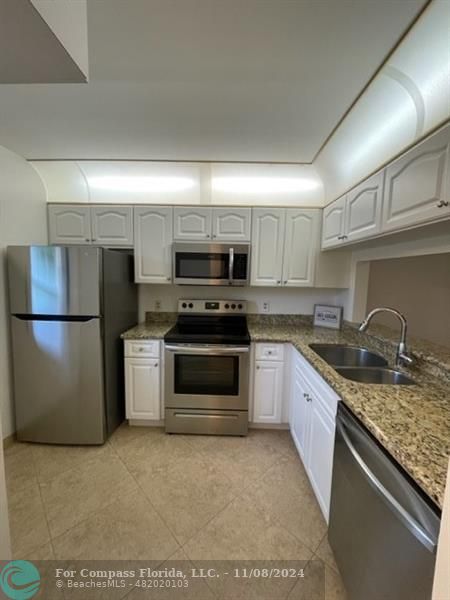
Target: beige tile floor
{"x":146,"y":495}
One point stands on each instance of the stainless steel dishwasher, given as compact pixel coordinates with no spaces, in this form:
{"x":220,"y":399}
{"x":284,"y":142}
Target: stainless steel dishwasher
{"x":382,"y":529}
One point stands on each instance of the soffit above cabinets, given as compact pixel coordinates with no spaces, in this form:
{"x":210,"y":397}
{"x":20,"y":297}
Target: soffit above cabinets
{"x":208,"y":79}
{"x":146,"y":182}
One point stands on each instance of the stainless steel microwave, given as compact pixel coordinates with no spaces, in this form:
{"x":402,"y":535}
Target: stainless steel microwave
{"x":202,"y":263}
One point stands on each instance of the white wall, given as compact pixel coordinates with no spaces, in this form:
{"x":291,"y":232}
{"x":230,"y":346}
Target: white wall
{"x":407,"y":99}
{"x":22,"y":221}
{"x":282,"y":301}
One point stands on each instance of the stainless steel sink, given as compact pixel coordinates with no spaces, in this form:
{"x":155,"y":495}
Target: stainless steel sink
{"x":377,"y":375}
{"x":348,"y":356}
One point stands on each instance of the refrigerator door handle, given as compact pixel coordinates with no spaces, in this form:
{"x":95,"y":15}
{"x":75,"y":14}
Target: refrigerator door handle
{"x":55,"y":318}
{"x":410,"y":523}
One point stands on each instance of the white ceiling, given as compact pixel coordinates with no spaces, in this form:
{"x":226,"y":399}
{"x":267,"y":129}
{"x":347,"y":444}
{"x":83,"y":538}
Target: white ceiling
{"x":263,"y":80}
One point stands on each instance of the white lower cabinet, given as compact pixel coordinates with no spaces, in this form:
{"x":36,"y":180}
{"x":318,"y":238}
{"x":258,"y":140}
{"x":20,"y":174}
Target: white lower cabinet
{"x":319,"y":455}
{"x":268,"y":383}
{"x":312,"y":422}
{"x":142,"y":380}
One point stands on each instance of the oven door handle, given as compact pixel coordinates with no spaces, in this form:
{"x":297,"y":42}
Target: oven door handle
{"x":208,"y":349}
{"x":231,"y":266}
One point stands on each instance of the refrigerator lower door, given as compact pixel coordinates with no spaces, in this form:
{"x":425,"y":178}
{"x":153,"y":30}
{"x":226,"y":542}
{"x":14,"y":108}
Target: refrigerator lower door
{"x":58,"y":380}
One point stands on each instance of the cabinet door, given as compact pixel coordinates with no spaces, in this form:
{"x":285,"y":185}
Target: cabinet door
{"x":319,"y":458}
{"x":333,"y":223}
{"x":363,"y":210}
{"x":112,"y":225}
{"x":300,"y":413}
{"x":268,"y":390}
{"x":267,"y":246}
{"x":153,"y":244}
{"x":417,"y":184}
{"x":231,"y":224}
{"x":300,"y":246}
{"x":192,"y":223}
{"x":142,"y":388}
{"x":69,"y":224}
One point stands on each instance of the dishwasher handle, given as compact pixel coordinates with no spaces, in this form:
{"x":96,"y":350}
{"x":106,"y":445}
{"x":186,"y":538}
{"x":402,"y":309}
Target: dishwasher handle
{"x":410,"y":523}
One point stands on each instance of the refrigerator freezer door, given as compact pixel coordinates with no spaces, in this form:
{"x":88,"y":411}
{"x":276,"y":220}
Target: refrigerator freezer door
{"x":58,"y":378}
{"x":55,"y":280}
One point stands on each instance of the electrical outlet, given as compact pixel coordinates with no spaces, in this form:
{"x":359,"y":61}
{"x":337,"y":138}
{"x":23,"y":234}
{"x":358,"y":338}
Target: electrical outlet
{"x":157,"y":304}
{"x":266,"y":307}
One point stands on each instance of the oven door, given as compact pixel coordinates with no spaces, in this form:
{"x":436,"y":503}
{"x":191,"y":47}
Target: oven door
{"x":210,"y":264}
{"x":214,"y":377}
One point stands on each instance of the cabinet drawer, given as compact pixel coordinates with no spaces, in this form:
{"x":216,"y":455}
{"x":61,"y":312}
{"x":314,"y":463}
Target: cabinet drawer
{"x":269,"y":352}
{"x":142,"y":349}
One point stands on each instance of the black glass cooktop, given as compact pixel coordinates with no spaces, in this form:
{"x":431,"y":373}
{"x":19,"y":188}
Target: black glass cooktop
{"x":191,"y":329}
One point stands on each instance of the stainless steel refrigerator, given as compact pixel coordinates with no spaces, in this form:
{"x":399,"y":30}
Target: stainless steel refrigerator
{"x":69,"y":305}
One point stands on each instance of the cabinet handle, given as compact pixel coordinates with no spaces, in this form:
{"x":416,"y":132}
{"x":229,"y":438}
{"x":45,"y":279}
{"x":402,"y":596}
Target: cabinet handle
{"x":156,"y":364}
{"x":169,"y":278}
{"x":141,"y":349}
{"x":278,"y":282}
{"x":207,"y":235}
{"x":269,"y":351}
{"x":258,"y":367}
{"x":214,"y":235}
{"x":87,"y":240}
{"x":285,"y":281}
{"x":442,"y":203}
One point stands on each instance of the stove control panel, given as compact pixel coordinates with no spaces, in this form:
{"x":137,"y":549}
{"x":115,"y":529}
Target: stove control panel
{"x":212,"y":306}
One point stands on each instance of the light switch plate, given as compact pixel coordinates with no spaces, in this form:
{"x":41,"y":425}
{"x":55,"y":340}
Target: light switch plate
{"x":327,"y":316}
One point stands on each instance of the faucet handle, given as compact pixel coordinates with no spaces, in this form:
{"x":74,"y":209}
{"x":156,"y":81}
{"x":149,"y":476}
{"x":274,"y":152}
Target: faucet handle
{"x":406,"y":359}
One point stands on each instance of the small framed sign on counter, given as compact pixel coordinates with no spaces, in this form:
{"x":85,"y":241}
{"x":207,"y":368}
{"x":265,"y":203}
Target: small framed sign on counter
{"x":327,"y":316}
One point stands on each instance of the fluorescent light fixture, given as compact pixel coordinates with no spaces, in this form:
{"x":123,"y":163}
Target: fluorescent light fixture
{"x":264,"y":185}
{"x":127,"y":183}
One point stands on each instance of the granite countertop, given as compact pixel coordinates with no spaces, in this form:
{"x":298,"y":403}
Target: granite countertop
{"x":149,"y":330}
{"x":411,"y":422}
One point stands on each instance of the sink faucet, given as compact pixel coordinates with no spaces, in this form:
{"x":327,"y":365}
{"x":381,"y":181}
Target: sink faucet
{"x":402,"y":358}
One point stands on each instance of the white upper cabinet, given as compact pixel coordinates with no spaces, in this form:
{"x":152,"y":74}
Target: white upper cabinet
{"x":153,"y":244}
{"x":363,"y":209}
{"x":300,"y":246}
{"x":69,"y":224}
{"x":104,"y":226}
{"x":232,"y":225}
{"x":333,"y":226}
{"x":195,"y":223}
{"x":417,"y":187}
{"x":268,"y":225}
{"x":192,"y":223}
{"x":112,"y":225}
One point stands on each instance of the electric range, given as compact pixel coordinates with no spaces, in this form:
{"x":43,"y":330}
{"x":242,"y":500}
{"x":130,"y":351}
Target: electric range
{"x":207,"y":368}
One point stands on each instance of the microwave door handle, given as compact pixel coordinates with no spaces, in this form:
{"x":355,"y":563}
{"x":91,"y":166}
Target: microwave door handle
{"x":231,"y":266}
